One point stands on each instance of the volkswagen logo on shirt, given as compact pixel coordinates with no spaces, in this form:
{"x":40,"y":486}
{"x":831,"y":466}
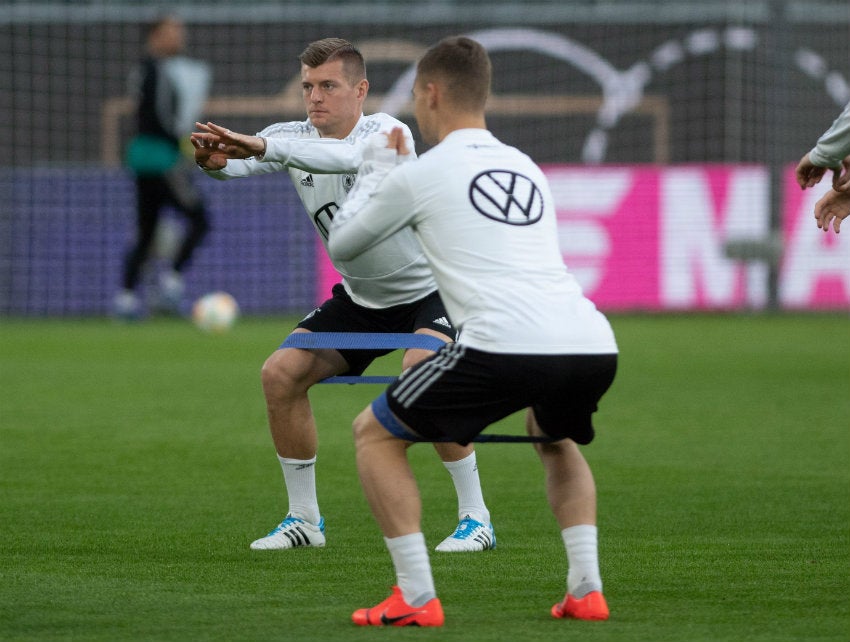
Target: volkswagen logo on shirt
{"x":506,"y":197}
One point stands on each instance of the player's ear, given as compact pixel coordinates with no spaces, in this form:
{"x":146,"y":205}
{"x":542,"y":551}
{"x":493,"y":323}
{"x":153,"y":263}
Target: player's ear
{"x":432,"y":94}
{"x":362,"y":88}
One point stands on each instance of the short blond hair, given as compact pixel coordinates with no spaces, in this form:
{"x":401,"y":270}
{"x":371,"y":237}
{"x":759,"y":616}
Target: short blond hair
{"x":464,"y":66}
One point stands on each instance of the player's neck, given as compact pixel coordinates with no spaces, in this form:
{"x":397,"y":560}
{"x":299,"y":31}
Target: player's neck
{"x":460,"y":121}
{"x":340,"y":133}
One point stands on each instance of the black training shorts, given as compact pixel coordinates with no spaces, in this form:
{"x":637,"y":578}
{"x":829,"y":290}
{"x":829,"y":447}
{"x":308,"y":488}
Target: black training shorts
{"x":460,"y":391}
{"x":341,"y":314}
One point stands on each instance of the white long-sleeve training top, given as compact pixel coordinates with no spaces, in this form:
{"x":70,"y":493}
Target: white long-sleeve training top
{"x":323,"y":171}
{"x":484,"y":215}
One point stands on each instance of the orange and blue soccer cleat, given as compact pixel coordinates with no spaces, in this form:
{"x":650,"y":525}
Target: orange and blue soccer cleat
{"x":590,"y":607}
{"x":394,"y":611}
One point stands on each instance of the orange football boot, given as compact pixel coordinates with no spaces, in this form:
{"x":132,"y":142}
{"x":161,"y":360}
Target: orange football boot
{"x":394,"y":611}
{"x":590,"y":607}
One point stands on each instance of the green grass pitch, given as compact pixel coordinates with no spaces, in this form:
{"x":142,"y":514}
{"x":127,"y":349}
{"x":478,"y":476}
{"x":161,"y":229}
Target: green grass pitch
{"x":135,"y":468}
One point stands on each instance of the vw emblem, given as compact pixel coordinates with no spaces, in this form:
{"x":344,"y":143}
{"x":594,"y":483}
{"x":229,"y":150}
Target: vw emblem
{"x":506,"y":197}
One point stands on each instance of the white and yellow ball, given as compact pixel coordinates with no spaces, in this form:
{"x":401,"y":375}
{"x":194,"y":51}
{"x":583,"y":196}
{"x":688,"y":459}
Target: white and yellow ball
{"x":215,"y":312}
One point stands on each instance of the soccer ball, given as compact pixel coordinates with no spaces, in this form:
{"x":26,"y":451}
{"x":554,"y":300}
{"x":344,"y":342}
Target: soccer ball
{"x":215,"y":312}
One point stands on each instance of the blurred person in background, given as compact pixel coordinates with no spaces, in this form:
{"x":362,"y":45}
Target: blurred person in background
{"x":169,"y":91}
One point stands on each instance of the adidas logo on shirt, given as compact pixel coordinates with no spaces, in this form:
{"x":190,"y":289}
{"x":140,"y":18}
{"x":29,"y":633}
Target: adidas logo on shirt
{"x":307,"y":182}
{"x":443,"y":321}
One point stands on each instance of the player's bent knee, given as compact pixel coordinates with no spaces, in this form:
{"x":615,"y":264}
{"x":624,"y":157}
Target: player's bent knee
{"x":270,"y":372}
{"x":366,"y":427}
{"x":281,"y":372}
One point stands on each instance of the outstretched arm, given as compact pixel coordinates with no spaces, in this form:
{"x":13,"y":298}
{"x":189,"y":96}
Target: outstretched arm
{"x":830,"y":152}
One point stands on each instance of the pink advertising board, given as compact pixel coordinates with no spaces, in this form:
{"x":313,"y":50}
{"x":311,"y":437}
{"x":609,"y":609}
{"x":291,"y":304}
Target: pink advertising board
{"x":656,"y":238}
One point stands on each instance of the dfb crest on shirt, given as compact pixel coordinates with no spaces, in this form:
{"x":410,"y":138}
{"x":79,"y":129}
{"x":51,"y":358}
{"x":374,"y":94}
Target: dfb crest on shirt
{"x":506,"y":197}
{"x":323,"y":216}
{"x":348,"y":182}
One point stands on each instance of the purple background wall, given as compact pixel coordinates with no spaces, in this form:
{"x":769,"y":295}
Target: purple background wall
{"x":63,"y":233}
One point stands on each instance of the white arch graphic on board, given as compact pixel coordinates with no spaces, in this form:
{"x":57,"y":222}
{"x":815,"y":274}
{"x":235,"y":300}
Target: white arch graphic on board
{"x":622,"y":90}
{"x":814,"y":66}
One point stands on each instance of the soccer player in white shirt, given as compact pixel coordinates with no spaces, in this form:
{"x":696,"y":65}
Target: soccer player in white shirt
{"x":832,"y":151}
{"x":387,"y":289}
{"x":484,"y":215}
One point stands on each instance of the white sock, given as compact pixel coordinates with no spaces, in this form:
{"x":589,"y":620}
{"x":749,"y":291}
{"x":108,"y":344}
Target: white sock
{"x":583,"y":559}
{"x":412,"y":568}
{"x":470,"y":501}
{"x":300,"y":478}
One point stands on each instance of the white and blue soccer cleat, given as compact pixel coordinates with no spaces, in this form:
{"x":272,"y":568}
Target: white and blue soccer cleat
{"x":470,"y":536}
{"x":292,"y":532}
